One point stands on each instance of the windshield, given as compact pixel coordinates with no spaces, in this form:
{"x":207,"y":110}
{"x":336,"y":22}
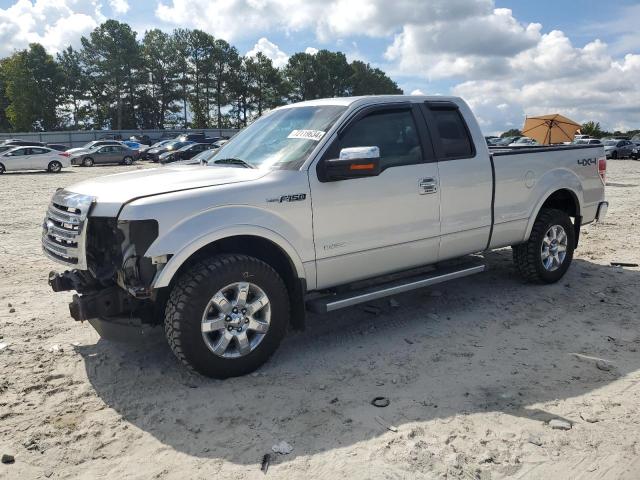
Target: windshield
{"x":281,"y":139}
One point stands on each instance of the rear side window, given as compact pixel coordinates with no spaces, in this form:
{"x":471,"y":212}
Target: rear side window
{"x":454,"y":136}
{"x":38,"y":151}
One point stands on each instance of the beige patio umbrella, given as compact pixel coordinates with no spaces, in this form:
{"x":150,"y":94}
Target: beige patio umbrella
{"x":550,"y":129}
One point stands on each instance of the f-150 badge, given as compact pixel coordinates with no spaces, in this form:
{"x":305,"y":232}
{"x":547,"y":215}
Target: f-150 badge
{"x":296,"y":197}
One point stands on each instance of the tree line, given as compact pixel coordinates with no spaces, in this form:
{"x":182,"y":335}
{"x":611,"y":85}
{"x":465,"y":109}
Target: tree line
{"x":182,"y":79}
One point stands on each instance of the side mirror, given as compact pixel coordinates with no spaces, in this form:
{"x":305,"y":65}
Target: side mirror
{"x":354,"y":162}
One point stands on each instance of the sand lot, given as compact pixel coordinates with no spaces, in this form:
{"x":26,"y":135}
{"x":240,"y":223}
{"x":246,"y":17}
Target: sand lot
{"x":474,"y":371}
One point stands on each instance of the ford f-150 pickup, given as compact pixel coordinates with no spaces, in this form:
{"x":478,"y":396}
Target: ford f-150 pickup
{"x":313,"y":207}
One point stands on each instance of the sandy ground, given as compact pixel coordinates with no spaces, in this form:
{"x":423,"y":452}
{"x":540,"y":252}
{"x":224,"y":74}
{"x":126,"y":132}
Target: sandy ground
{"x":474,"y":370}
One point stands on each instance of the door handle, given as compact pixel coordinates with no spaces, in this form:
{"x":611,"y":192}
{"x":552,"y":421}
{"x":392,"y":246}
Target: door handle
{"x":428,"y":185}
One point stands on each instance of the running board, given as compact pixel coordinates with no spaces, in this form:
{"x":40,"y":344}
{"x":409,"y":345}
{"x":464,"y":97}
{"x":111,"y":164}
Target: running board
{"x":330,"y":303}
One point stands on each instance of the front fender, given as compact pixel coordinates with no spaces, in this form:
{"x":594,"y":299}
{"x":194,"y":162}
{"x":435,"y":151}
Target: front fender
{"x":550,"y":183}
{"x":194,"y":233}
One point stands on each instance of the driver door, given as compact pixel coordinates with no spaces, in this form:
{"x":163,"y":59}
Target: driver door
{"x":18,"y":159}
{"x":375,"y":225}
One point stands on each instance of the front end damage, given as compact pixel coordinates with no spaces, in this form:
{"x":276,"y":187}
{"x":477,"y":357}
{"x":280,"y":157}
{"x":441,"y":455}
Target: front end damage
{"x":112,"y":277}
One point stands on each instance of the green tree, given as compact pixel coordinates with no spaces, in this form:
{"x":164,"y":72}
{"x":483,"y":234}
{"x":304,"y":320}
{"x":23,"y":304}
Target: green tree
{"x":331,"y":72}
{"x":161,"y":67}
{"x":514,"y":132}
{"x":223,"y":60}
{"x":181,"y":45}
{"x":265,"y":84}
{"x":299,"y":74}
{"x":74,"y":86}
{"x":365,"y":80}
{"x":32,"y":80}
{"x":592,"y":128}
{"x":114,"y":62}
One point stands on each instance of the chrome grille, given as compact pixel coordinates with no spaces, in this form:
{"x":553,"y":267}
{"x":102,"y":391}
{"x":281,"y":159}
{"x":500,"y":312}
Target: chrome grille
{"x":64,"y":230}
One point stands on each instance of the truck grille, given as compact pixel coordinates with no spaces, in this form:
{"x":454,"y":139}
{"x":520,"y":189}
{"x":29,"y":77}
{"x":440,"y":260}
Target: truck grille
{"x":64,"y":230}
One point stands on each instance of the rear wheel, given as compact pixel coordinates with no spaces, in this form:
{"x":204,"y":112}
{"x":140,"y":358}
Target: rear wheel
{"x":227,"y":315}
{"x":87,"y":162}
{"x":54,"y":167}
{"x":548,"y":253}
{"x":127,"y":161}
{"x":2,"y":169}
{"x":614,"y":155}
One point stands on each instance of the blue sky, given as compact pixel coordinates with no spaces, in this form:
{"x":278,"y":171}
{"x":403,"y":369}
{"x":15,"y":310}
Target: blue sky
{"x":507,"y":58}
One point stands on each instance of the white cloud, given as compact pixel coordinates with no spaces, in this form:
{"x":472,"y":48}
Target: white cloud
{"x":55,"y":24}
{"x":417,"y":91}
{"x":311,"y":50}
{"x":119,"y":6}
{"x":270,"y":50}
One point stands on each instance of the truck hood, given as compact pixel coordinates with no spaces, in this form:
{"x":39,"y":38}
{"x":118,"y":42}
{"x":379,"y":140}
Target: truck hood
{"x":112,"y":191}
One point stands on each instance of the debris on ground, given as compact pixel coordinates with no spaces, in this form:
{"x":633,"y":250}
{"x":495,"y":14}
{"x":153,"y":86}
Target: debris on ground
{"x":380,"y":402}
{"x":266,"y":460}
{"x":386,"y":425}
{"x":283,"y":448}
{"x":558,"y":424}
{"x":604,"y":366}
{"x":372,"y":309}
{"x":55,"y":348}
{"x":3,"y":345}
{"x":7,"y":459}
{"x":535,"y":440}
{"x":623,"y":264}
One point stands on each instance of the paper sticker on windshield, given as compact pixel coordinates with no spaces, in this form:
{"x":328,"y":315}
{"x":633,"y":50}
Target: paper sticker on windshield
{"x":314,"y":135}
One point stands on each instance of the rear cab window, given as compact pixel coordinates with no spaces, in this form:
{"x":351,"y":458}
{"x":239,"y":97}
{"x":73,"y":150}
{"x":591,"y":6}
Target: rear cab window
{"x":450,"y":133}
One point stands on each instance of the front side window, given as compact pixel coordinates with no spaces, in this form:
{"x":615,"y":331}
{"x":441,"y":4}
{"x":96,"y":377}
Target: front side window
{"x":454,"y":136}
{"x":281,"y":139}
{"x":392,"y":131}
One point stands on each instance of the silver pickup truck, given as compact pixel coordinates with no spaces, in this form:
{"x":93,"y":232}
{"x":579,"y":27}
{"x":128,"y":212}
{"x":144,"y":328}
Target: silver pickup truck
{"x":312,"y":207}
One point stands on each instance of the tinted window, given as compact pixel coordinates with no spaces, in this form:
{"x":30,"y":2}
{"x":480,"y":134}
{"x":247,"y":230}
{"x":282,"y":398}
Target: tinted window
{"x":38,"y":151}
{"x":19,"y":151}
{"x":452,"y":130}
{"x":393,"y":132}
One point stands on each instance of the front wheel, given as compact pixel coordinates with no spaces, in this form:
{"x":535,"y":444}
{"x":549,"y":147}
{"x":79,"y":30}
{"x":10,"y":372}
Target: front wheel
{"x":226,"y":315}
{"x":614,"y":155}
{"x":55,"y":167}
{"x":87,"y":162}
{"x":548,"y":253}
{"x":127,"y":161}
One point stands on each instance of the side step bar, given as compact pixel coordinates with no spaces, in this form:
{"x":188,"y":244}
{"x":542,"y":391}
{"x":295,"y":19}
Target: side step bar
{"x":330,"y":303}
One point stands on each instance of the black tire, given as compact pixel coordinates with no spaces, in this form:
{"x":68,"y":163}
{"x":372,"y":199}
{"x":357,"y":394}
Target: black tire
{"x":190,"y":296}
{"x":127,"y":161}
{"x":87,"y":162}
{"x":54,"y":167}
{"x":527,"y":256}
{"x":2,"y":169}
{"x":614,"y":155}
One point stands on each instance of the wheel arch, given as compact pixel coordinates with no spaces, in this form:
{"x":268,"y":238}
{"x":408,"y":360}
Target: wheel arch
{"x":564,"y":199}
{"x":264,"y":245}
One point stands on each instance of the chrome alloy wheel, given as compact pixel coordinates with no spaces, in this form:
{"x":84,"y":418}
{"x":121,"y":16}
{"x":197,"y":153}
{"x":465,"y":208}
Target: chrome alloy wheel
{"x":236,"y":320}
{"x":554,"y":248}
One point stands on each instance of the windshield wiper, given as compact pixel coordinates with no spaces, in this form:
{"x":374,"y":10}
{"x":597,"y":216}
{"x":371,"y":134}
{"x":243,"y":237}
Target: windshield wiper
{"x":234,"y":161}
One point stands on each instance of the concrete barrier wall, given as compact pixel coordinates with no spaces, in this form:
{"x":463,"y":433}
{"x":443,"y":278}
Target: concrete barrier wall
{"x":78,"y":138}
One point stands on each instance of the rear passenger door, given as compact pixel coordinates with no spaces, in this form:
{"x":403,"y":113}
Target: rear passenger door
{"x":39,"y":158}
{"x":466,"y":182}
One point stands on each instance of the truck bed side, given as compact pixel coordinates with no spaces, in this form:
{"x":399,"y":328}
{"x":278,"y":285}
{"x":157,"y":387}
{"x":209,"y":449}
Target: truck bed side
{"x":526,"y":178}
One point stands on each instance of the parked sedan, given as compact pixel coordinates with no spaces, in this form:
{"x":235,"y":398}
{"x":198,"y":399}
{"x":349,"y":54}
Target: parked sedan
{"x":524,"y":142}
{"x":184,"y":153}
{"x":105,"y":154}
{"x":91,"y":145}
{"x":33,"y":158}
{"x":635,"y":152}
{"x":618,"y":148}
{"x":153,"y":154}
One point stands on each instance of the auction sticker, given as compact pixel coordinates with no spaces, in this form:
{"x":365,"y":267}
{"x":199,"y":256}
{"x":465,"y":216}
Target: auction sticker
{"x":314,"y":135}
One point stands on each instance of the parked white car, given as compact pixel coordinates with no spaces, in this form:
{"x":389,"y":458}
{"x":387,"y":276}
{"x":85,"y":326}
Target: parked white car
{"x":33,"y":158}
{"x":524,"y":142}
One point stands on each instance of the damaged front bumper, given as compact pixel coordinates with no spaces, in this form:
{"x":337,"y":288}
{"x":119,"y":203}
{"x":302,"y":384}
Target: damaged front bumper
{"x":113,"y":312}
